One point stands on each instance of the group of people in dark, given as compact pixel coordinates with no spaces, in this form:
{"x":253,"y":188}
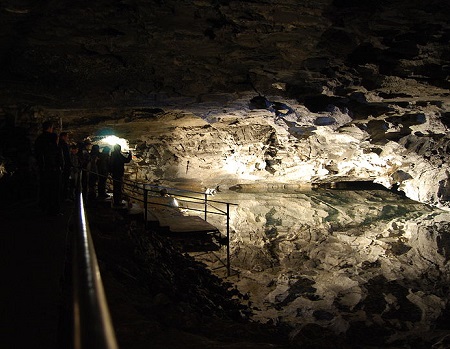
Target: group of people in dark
{"x":62,"y":164}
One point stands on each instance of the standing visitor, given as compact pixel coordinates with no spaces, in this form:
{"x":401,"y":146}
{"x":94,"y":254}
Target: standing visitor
{"x":93,"y":171}
{"x":117,"y":169}
{"x":74,"y":171}
{"x":103,"y":170}
{"x":49,"y":160}
{"x":63,"y":144}
{"x":84,"y":158}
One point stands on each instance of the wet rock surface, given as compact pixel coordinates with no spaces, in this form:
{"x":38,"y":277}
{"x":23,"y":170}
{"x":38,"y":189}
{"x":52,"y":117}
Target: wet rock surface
{"x":319,"y":277}
{"x":365,"y":265}
{"x":352,"y":276}
{"x":162,"y":298}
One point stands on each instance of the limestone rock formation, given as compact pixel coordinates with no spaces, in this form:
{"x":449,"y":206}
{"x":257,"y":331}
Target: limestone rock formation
{"x":249,"y":145}
{"x":265,"y":98}
{"x":348,"y":76}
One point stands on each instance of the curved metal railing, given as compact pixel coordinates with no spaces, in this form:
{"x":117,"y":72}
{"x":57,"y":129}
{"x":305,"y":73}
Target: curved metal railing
{"x":92,"y":324}
{"x":192,"y":201}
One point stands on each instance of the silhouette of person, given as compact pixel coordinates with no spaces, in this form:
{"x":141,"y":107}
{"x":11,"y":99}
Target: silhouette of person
{"x":103,"y":170}
{"x":117,"y":169}
{"x":84,"y":159}
{"x":74,"y":171}
{"x":63,"y":143}
{"x":49,"y":160}
{"x":93,"y":171}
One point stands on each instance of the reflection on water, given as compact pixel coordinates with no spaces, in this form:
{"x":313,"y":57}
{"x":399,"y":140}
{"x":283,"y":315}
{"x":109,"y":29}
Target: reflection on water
{"x":317,"y":208}
{"x":350,"y":261}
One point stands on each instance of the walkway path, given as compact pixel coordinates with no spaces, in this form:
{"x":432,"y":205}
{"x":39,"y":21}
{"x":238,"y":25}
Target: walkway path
{"x":32,"y":252}
{"x":175,"y":221}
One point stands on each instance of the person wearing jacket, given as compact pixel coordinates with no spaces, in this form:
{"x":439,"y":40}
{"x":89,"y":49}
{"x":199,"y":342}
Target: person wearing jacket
{"x":63,"y":144}
{"x":103,"y":170}
{"x":93,"y":172}
{"x":50,"y":162}
{"x":117,"y":168}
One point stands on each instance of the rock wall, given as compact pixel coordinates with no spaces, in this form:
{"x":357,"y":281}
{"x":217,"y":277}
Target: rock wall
{"x":406,"y":150}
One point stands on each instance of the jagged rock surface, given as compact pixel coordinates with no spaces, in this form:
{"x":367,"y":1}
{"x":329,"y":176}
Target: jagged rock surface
{"x":239,"y":145}
{"x":361,"y":92}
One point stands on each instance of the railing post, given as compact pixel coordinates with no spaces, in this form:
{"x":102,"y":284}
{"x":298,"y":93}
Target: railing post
{"x":145,"y":206}
{"x":228,"y":239}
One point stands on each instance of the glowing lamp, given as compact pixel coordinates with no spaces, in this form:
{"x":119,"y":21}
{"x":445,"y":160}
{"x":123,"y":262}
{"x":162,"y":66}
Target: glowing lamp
{"x":111,"y":141}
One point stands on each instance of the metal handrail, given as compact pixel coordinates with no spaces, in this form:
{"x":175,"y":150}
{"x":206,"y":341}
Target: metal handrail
{"x":92,"y":324}
{"x":141,"y":190}
{"x":203,"y":201}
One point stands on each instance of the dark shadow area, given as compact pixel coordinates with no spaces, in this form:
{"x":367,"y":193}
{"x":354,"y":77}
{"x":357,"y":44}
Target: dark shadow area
{"x":350,"y":185}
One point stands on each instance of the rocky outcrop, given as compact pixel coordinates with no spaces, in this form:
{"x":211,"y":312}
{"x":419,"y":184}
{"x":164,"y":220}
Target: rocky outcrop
{"x":271,"y":96}
{"x":404,"y":151}
{"x":366,"y":264}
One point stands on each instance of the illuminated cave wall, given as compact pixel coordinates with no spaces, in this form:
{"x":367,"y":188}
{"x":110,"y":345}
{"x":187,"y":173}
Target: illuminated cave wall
{"x":375,"y":72}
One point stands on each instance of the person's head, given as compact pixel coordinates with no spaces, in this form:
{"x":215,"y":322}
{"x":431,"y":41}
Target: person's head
{"x":95,"y":149}
{"x":47,"y":126}
{"x":87,"y":144}
{"x":163,"y":192}
{"x":117,"y":148}
{"x":106,"y":150}
{"x":64,"y":136}
{"x":74,"y":148}
{"x":81,"y":146}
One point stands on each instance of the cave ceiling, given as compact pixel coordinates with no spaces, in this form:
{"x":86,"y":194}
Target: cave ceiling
{"x":96,"y":54}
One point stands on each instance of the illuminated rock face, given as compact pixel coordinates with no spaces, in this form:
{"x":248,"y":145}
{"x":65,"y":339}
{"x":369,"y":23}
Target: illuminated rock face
{"x":244,"y":146}
{"x":369,"y":265}
{"x":350,"y":80}
{"x":361,"y":93}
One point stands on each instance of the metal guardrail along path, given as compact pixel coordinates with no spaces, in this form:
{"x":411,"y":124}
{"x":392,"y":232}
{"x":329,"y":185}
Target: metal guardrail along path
{"x":92,"y":324}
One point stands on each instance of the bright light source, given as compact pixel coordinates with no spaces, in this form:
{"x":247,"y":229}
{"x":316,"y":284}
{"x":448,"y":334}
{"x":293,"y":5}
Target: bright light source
{"x":111,"y":141}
